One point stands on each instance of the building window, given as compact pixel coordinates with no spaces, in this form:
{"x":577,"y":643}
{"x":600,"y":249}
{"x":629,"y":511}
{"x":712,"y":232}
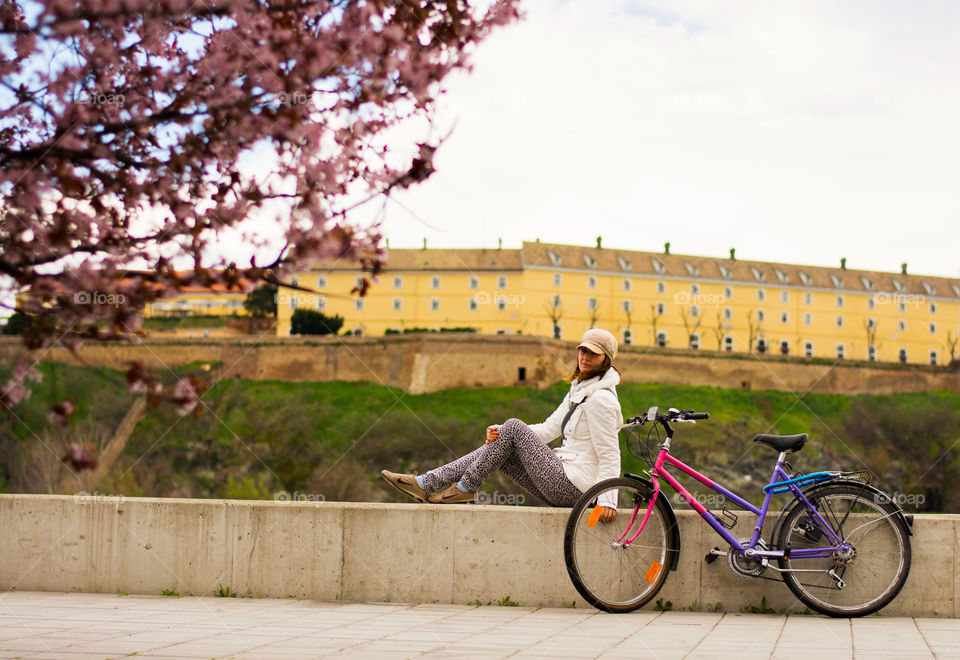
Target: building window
{"x":761,"y":345}
{"x":397,"y":282}
{"x":727,"y":313}
{"x":839,"y":321}
{"x":502,"y":304}
{"x":761,"y":295}
{"x":933,"y":328}
{"x":435,"y":304}
{"x":784,"y":347}
{"x":695,"y":342}
{"x":473,"y":305}
{"x":661,"y":287}
{"x":903,"y":355}
{"x":784,"y":296}
{"x":694,"y":290}
{"x":358,"y":304}
{"x":839,"y":301}
{"x":727,"y":292}
{"x":784,"y":317}
{"x":397,"y":304}
{"x":628,"y":336}
{"x":557,"y":331}
{"x":661,"y":309}
{"x":293,"y":301}
{"x":872,"y":353}
{"x":760,"y":316}
{"x":933,"y":358}
{"x":502,"y":282}
{"x":358,"y":281}
{"x":556,"y":300}
{"x":321,"y":303}
{"x":591,"y":282}
{"x":474,"y":283}
{"x":592,"y":304}
{"x":901,"y":326}
{"x":294,"y":281}
{"x":661,"y":339}
{"x":627,"y":307}
{"x":808,"y":299}
{"x":626,"y":284}
{"x":903,"y":305}
{"x":322,"y":282}
{"x":871,"y":323}
{"x":839,"y":351}
{"x":557,"y":279}
{"x":933,"y":308}
{"x":871,"y":303}
{"x":435,"y":282}
{"x":808,"y":319}
{"x":728,"y":343}
{"x":808,"y":349}
{"x":694,"y":311}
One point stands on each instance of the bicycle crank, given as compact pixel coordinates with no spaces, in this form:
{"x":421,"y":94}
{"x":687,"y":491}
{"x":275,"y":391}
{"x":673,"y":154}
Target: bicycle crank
{"x":746,"y":568}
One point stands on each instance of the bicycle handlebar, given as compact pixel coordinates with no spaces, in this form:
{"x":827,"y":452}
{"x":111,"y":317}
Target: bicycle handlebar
{"x":672,"y":415}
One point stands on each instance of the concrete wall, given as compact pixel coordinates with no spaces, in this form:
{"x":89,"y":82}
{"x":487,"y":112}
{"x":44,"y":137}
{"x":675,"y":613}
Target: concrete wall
{"x":377,"y":552}
{"x":430,"y":362}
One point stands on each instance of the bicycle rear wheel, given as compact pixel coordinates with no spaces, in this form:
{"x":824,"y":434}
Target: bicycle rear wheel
{"x":873,"y":569}
{"x":611,"y":572}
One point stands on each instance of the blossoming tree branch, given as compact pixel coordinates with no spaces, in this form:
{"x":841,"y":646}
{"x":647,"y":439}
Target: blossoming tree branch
{"x":124,"y":125}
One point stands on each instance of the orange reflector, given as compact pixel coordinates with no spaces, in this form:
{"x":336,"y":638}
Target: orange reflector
{"x":654,"y":571}
{"x":594,"y":516}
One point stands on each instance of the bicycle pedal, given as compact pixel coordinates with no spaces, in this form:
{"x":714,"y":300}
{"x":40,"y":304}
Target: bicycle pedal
{"x":713,"y":554}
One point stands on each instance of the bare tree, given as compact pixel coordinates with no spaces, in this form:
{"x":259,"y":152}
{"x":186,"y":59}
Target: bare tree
{"x":595,"y":315}
{"x":952,"y":344}
{"x":689,"y":326}
{"x":754,"y":330}
{"x":555,"y":313}
{"x":720,"y":331}
{"x":654,"y":320}
{"x":871,"y":330}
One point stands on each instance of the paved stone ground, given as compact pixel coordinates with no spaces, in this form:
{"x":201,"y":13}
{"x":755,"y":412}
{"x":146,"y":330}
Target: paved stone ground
{"x":74,"y":626}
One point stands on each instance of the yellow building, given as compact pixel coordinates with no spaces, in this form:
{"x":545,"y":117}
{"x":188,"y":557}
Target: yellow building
{"x":648,"y":299}
{"x":213,"y":300}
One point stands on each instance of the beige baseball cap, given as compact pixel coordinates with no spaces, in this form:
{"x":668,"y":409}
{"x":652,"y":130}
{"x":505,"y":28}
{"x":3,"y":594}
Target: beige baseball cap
{"x":599,"y":341}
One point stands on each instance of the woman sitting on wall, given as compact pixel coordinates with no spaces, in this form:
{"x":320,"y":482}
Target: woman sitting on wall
{"x":588,"y":419}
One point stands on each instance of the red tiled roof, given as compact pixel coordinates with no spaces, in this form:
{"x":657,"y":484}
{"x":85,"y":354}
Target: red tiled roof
{"x":735,"y":271}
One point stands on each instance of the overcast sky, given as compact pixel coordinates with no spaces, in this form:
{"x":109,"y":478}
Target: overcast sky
{"x":795,"y":132}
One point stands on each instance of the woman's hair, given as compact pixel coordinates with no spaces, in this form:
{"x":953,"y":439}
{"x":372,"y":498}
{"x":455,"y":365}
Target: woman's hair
{"x":601,"y":370}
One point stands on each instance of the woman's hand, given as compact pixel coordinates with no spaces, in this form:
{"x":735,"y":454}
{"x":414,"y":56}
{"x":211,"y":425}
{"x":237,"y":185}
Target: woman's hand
{"x":493,"y":432}
{"x":607,"y":514}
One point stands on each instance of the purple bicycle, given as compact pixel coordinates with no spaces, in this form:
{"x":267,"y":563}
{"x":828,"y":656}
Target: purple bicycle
{"x":841,"y":545}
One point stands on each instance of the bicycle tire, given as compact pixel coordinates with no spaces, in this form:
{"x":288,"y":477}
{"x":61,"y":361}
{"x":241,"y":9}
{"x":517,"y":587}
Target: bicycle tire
{"x":876,"y":570}
{"x":611,"y":577}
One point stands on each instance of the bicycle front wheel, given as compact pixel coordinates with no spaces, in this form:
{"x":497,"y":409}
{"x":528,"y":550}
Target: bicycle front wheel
{"x":611,"y":566}
{"x":872,"y":566}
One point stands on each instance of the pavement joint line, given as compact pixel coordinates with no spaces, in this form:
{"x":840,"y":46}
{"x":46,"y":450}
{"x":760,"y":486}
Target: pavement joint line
{"x":519,"y":632}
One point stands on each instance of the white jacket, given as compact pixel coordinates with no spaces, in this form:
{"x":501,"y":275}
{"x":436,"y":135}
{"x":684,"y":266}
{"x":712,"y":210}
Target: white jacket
{"x":591,"y":447}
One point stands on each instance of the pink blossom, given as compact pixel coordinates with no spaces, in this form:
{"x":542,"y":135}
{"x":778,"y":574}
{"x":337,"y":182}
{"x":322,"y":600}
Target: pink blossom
{"x":155,"y":107}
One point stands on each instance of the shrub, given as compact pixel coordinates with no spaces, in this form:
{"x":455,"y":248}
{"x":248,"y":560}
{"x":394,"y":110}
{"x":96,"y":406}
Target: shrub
{"x":309,"y":322}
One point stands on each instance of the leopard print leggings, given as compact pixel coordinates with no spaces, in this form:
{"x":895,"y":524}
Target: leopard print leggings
{"x":520,"y":454}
